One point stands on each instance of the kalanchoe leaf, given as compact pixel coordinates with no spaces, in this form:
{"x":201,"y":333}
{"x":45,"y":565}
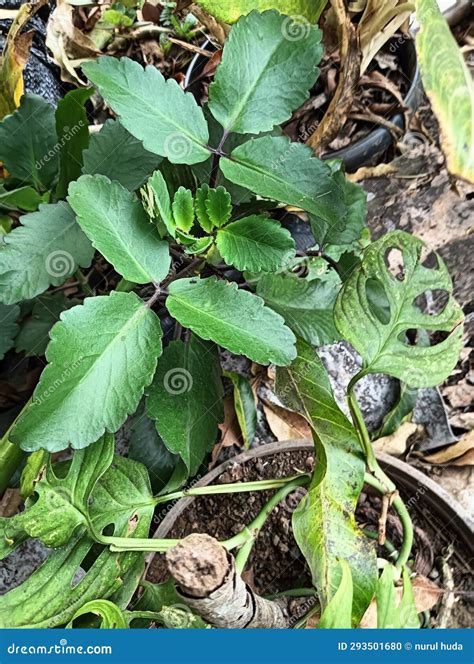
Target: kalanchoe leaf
{"x":324,"y":523}
{"x":382,"y":340}
{"x":276,"y":168}
{"x":201,"y":210}
{"x":233,"y":318}
{"x":160,"y":201}
{"x":114,"y":220}
{"x":186,"y":399}
{"x":218,"y":206}
{"x":101,"y":357}
{"x":201,"y":245}
{"x":255,"y":243}
{"x":183,"y":209}
{"x":8,"y":327}
{"x":278,"y":75}
{"x":29,"y":144}
{"x":114,"y":152}
{"x":154,"y":110}
{"x":44,"y":251}
{"x":306,"y":306}
{"x":22,"y":198}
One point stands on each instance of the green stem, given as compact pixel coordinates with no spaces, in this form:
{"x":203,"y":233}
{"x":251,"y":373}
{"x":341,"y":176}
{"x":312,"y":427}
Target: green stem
{"x":11,"y":455}
{"x":84,"y":283}
{"x":125,"y":286}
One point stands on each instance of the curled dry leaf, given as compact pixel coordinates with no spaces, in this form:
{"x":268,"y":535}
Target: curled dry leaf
{"x":459,"y":454}
{"x":396,"y":444}
{"x":285,"y":424}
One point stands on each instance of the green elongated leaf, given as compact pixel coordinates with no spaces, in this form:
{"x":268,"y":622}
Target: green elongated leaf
{"x":154,"y":110}
{"x":299,"y":9}
{"x":218,"y":206}
{"x":44,"y":251}
{"x":114,"y":152}
{"x":157,"y":192}
{"x":183,"y":209}
{"x":35,"y":463}
{"x":392,"y":614}
{"x":148,"y":448}
{"x":51,"y":595}
{"x":117,"y":225}
{"x":255,"y":243}
{"x":101,"y":357}
{"x":72,"y":129}
{"x":276,"y":168}
{"x":306,"y":306}
{"x":112,"y":617}
{"x":186,"y":399}
{"x":324,"y":523}
{"x":23,"y":198}
{"x":382,"y":342}
{"x":33,"y":336}
{"x":62,"y":505}
{"x":28,"y":143}
{"x":200,"y":209}
{"x":8,"y":327}
{"x":245,"y":407}
{"x":449,"y":86}
{"x":280,"y":70}
{"x":235,"y":319}
{"x":338,"y":613}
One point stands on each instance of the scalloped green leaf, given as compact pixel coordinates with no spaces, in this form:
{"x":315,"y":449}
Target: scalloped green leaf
{"x":235,"y":319}
{"x":200,"y":209}
{"x":158,"y":112}
{"x":381,"y":339}
{"x":255,"y":243}
{"x":116,"y":223}
{"x":45,"y":250}
{"x":101,"y":357}
{"x":218,"y":206}
{"x":324,"y":523}
{"x":281,"y":57}
{"x":183,"y":209}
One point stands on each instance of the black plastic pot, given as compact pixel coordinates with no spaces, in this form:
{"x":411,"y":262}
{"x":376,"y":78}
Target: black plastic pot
{"x":369,"y":149}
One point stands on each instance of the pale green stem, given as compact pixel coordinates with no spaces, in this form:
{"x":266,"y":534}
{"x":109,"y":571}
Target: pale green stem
{"x":11,"y":455}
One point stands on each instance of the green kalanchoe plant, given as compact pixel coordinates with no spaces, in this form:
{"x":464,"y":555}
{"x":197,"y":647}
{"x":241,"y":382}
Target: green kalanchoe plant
{"x":184,"y":203}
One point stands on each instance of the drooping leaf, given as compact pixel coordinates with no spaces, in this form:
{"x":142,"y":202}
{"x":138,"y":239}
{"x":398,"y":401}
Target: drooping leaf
{"x":392,"y":614}
{"x":72,"y":129}
{"x":338,"y":613}
{"x":111,"y":616}
{"x":183,"y":209}
{"x":159,"y":201}
{"x":302,"y":10}
{"x":28,"y":143}
{"x":186,"y":399}
{"x":255,"y":243}
{"x":382,"y":343}
{"x":324,"y":523}
{"x":276,"y":168}
{"x":44,"y":251}
{"x":306,"y":306}
{"x":23,"y":198}
{"x":218,"y":206}
{"x":200,"y":208}
{"x":114,"y":152}
{"x":245,"y":407}
{"x":114,"y":220}
{"x":279,"y":72}
{"x":33,"y":336}
{"x":235,"y":319}
{"x":449,"y":86}
{"x":101,"y":357}
{"x":8,"y":327}
{"x":154,"y":110}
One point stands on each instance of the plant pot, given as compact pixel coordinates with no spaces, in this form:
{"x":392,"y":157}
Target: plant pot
{"x":369,"y":149}
{"x":421,"y":494}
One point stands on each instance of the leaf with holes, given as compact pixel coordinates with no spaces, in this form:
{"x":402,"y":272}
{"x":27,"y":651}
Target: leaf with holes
{"x":186,"y":399}
{"x":281,"y":56}
{"x":43,"y":251}
{"x":101,"y":357}
{"x":381,"y":339}
{"x":8,"y":327}
{"x":116,"y":223}
{"x":256,"y":243}
{"x":306,"y":306}
{"x":156,"y":111}
{"x":324,"y":524}
{"x":235,"y":319}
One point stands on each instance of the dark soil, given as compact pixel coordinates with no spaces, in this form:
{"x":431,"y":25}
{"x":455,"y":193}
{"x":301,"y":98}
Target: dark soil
{"x":277,"y":564}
